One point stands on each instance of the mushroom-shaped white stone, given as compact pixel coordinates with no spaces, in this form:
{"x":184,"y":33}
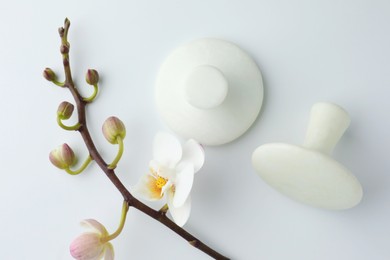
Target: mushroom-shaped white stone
{"x":307,"y":173}
{"x":209,"y":90}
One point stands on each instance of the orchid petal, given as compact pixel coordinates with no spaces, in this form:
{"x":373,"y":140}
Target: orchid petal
{"x":109,"y":252}
{"x":167,"y":150}
{"x":161,"y":170}
{"x":193,"y":153}
{"x":181,"y":214}
{"x":167,"y":186}
{"x":95,"y":225}
{"x":183,"y":184}
{"x":146,"y":188}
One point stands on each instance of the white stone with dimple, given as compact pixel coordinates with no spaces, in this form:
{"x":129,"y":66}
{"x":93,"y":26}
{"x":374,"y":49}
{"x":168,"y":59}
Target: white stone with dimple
{"x":209,"y":90}
{"x":308,"y":173}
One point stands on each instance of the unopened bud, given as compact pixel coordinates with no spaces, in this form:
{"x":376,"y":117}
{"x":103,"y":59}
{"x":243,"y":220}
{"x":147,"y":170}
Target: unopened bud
{"x":63,"y":157}
{"x":112,"y":128}
{"x":66,"y":22}
{"x":61,"y":31}
{"x":65,"y":110}
{"x":49,"y":74}
{"x":92,"y":77}
{"x":64,"y":48}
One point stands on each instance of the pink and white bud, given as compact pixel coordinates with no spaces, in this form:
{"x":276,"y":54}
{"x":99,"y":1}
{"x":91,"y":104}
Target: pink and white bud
{"x":92,"y":245}
{"x":112,"y":128}
{"x":65,"y":110}
{"x":87,"y":246}
{"x":63,"y":157}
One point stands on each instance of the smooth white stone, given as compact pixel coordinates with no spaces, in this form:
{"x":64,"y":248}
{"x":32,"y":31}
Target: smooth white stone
{"x":206,"y":87}
{"x":327,"y":124}
{"x":308,"y":174}
{"x":209,"y":90}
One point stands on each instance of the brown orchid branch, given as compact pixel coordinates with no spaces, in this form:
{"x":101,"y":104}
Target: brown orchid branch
{"x":82,"y":128}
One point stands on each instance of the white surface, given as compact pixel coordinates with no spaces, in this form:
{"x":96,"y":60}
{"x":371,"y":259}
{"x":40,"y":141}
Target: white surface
{"x":219,"y":117}
{"x":308,"y":174}
{"x":307,"y":51}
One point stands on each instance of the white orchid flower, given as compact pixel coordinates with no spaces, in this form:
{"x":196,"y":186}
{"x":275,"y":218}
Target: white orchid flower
{"x":171,"y":174}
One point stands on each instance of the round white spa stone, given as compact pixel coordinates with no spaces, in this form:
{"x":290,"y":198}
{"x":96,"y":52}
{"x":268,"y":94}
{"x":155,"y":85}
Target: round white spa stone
{"x":209,"y":90}
{"x":308,"y":176}
{"x":206,"y":87}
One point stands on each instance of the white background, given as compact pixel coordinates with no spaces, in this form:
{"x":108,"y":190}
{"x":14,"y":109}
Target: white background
{"x":308,"y":51}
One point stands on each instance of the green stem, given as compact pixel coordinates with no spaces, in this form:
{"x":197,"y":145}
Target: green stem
{"x":74,"y":127}
{"x":92,"y":97}
{"x":119,"y":154}
{"x":60,"y":84}
{"x":82,"y":168}
{"x":125,"y":208}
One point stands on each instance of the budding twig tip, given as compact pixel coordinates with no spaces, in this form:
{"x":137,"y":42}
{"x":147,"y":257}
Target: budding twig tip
{"x":67,"y":22}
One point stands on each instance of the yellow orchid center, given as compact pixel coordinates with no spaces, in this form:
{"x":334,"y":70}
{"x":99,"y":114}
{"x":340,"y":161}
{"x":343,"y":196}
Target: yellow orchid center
{"x":160,"y":182}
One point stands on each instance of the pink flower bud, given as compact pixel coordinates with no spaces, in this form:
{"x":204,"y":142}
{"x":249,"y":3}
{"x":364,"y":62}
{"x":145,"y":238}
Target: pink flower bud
{"x":65,"y":110}
{"x":112,"y":128}
{"x":87,"y":246}
{"x":92,"y":77}
{"x":92,"y":245}
{"x":63,"y":157}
